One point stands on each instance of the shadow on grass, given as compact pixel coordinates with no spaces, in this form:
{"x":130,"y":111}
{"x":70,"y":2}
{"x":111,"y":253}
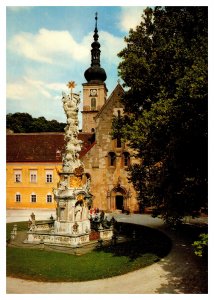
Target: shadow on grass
{"x":139,"y":241}
{"x":147,"y":247}
{"x":184,"y":272}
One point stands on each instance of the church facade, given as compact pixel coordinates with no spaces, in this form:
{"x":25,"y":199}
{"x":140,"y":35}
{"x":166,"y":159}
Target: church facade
{"x":106,"y":160}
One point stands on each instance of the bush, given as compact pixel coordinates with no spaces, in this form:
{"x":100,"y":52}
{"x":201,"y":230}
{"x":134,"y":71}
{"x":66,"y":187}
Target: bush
{"x":201,"y":246}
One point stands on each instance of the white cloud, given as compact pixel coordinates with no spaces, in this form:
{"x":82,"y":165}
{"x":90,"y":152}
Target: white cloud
{"x":46,"y":45}
{"x":110,"y":47}
{"x":55,"y":86}
{"x":18,"y":90}
{"x":130,"y":17}
{"x":25,"y":89}
{"x":37,"y":88}
{"x":60,"y":48}
{"x":36,"y":97}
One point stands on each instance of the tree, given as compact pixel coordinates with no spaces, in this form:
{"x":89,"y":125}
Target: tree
{"x":19,"y":122}
{"x":23,"y":122}
{"x":39,"y":124}
{"x":165,"y":68}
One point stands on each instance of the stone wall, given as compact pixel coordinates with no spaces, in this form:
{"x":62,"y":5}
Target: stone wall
{"x":109,"y":182}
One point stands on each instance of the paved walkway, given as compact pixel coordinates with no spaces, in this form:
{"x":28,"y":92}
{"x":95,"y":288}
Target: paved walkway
{"x":15,"y":215}
{"x":180,"y":272}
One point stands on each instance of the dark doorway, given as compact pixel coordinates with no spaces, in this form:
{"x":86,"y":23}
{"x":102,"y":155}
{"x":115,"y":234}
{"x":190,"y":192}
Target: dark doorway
{"x":119,"y":202}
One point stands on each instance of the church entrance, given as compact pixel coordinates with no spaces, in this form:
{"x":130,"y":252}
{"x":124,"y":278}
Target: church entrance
{"x":117,"y":198}
{"x":119,"y":202}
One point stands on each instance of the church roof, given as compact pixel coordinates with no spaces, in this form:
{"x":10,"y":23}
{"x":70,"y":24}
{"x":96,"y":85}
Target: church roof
{"x":41,"y":147}
{"x":117,"y":92}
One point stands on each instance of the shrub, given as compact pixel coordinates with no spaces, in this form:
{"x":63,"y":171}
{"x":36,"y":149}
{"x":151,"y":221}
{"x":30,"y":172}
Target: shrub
{"x":201,"y":246}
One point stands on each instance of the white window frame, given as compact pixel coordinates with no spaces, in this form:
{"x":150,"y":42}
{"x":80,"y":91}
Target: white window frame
{"x":49,"y":196}
{"x":18,"y":195}
{"x":18,"y":176}
{"x":49,"y":176}
{"x":33,"y":176}
{"x":32,"y":196}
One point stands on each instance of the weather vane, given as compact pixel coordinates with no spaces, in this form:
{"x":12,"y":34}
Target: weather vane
{"x":71,"y":85}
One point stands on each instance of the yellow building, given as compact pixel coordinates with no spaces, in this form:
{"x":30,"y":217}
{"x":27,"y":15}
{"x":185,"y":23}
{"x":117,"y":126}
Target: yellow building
{"x":33,"y":162}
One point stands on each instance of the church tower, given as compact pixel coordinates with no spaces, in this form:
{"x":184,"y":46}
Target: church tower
{"x":94,"y":91}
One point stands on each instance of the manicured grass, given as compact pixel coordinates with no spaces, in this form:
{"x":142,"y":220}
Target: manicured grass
{"x":22,"y":226}
{"x":52,"y":266}
{"x":149,"y":246}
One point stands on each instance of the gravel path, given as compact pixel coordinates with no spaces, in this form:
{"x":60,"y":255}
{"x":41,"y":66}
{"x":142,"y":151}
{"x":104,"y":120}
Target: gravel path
{"x":181,"y":272}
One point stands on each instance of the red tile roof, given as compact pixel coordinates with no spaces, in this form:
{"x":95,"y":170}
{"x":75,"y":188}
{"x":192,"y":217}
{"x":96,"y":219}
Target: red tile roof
{"x":41,"y":147}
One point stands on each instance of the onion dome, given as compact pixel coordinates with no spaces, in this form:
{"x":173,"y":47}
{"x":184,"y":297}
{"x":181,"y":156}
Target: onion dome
{"x":95,"y":74}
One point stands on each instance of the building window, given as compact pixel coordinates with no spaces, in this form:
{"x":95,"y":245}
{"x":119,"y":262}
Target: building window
{"x":18,"y":175}
{"x":18,"y":197}
{"x":119,"y":143}
{"x":49,"y":176}
{"x":93,"y":103}
{"x":126,"y":159}
{"x":33,"y":198}
{"x":118,"y":112}
{"x":49,"y":198}
{"x":112,"y":159}
{"x":33,"y":176}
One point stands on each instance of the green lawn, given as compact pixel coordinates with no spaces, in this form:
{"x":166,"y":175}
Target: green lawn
{"x":42,"y":265}
{"x":22,"y":226}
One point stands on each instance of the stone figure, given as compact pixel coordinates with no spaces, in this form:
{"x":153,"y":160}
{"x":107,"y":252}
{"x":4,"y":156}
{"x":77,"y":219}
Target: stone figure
{"x":87,"y":185}
{"x":63,"y":183}
{"x":85,"y":211}
{"x":71,"y":157}
{"x":33,"y":218}
{"x":78,"y":212}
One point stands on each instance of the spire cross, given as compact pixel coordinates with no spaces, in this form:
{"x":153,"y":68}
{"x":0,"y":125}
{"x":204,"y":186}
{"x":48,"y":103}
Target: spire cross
{"x":96,"y":36}
{"x":96,"y":20}
{"x":71,"y":85}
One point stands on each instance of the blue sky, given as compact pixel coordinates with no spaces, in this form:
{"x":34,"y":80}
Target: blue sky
{"x":47,"y":46}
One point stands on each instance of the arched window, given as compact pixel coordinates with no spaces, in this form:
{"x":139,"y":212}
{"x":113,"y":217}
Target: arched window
{"x":93,"y":103}
{"x":119,"y":143}
{"x":126,"y":159}
{"x":112,"y":159}
{"x":88,"y":175}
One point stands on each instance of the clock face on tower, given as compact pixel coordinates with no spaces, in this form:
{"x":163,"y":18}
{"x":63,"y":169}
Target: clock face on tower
{"x":93,"y":92}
